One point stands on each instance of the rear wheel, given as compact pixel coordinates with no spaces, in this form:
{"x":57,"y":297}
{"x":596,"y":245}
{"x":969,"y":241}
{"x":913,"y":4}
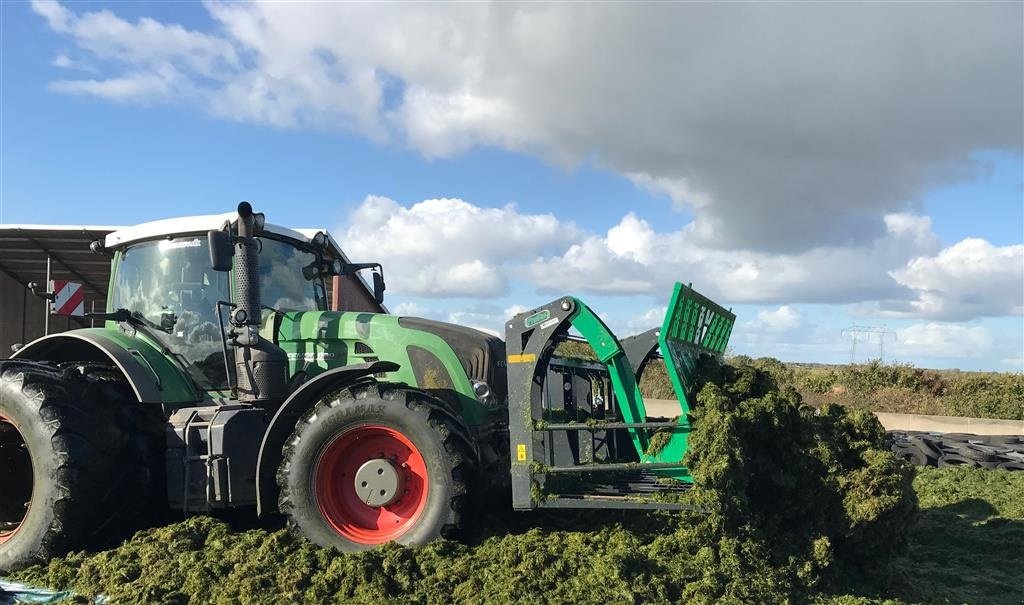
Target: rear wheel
{"x":373,"y":464}
{"x":15,"y":479}
{"x":77,"y":460}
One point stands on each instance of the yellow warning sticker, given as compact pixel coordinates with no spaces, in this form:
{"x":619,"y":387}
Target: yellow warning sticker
{"x":521,"y":452}
{"x":522,"y":358}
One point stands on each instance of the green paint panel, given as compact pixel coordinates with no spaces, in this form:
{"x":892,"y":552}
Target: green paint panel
{"x":604,"y":343}
{"x":317,"y":341}
{"x":174,"y":386}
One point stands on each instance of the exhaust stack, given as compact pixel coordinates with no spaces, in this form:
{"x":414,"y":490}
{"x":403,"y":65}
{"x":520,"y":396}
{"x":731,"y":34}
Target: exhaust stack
{"x":261,"y":367}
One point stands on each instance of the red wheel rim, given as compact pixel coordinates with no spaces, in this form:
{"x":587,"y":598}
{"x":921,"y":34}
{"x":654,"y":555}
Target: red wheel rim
{"x":336,"y":494}
{"x":6,"y":532}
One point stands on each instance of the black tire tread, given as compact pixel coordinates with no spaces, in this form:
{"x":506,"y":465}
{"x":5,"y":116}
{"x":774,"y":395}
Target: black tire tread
{"x":459,"y":448}
{"x":103,"y":444}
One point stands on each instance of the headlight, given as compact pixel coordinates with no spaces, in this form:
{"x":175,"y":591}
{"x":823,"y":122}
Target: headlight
{"x":481,"y":389}
{"x":259,"y":220}
{"x":239,"y":316}
{"x":320,"y":240}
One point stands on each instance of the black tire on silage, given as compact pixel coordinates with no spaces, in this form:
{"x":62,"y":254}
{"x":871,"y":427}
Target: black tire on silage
{"x":96,"y":458}
{"x":912,"y":455}
{"x":956,"y":460}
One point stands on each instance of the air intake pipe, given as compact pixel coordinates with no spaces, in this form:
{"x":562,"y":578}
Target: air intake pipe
{"x":261,"y":367}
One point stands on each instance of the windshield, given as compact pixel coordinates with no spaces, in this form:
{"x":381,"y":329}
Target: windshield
{"x":283,"y":285}
{"x":171,"y":283}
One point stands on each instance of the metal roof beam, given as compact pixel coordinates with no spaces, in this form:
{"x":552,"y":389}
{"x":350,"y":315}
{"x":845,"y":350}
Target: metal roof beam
{"x":75,"y":250}
{"x":68,"y":267}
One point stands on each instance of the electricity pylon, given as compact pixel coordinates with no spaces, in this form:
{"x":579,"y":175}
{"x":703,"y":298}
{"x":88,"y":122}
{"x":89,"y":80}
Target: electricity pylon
{"x":856,"y":331}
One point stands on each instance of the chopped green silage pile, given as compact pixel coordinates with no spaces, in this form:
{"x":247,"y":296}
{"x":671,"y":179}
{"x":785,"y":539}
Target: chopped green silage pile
{"x":802,"y":506}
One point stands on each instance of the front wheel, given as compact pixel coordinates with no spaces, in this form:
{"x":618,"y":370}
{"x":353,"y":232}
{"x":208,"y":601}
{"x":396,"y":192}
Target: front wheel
{"x":373,"y":464}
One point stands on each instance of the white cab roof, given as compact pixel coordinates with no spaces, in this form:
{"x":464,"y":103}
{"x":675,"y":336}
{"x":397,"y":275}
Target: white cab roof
{"x":210,"y":222}
{"x":194,"y":224}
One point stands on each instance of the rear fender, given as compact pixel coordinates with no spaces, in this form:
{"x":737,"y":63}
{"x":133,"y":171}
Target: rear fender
{"x":153,"y":377}
{"x":283,"y":423}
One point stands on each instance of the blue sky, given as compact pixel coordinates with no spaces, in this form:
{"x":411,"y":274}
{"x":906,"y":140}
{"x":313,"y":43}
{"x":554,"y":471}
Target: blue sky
{"x":604,"y":173}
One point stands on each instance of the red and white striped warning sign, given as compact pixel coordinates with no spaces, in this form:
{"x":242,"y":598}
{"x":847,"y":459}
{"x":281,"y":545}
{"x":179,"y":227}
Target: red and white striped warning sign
{"x":68,"y":298}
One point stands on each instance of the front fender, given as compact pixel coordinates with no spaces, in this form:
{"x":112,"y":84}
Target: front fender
{"x":153,"y":377}
{"x":283,"y":423}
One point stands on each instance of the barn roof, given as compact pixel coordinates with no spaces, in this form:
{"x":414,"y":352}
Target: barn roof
{"x":24,"y":250}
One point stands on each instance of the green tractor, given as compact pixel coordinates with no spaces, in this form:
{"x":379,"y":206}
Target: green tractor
{"x":220,"y":379}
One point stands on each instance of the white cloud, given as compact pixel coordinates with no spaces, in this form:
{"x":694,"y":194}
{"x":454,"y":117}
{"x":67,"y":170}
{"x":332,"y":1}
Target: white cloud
{"x":410,"y":309}
{"x":935,"y":339}
{"x":652,"y":318}
{"x":632,"y":239}
{"x":134,"y":87}
{"x":718,"y":106}
{"x":778,"y":320}
{"x":63,"y":61}
{"x":1015,"y":364}
{"x":449,"y":247}
{"x":633,"y":258}
{"x":682,"y":194}
{"x":146,"y":43}
{"x":515,"y":310}
{"x":781,"y":330}
{"x":161,"y":62}
{"x":56,"y":15}
{"x":970,"y":279}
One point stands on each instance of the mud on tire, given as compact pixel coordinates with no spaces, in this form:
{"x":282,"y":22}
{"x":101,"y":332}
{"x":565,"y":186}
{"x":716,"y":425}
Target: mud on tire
{"x":371,"y":423}
{"x":91,"y":455}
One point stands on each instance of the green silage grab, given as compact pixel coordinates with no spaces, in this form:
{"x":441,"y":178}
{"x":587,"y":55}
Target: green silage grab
{"x":694,"y":325}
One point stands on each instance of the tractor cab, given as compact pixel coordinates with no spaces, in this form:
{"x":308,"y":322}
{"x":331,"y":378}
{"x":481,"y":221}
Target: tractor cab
{"x":170,"y":284}
{"x":163,"y":277}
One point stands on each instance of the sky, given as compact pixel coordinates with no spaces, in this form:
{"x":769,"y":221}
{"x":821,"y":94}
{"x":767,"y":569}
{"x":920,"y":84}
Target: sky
{"x":812,"y":166}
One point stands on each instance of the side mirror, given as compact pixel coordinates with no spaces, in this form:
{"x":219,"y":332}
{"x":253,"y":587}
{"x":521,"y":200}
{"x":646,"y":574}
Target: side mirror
{"x":378,"y":287}
{"x":340,"y":268}
{"x":221,"y":250}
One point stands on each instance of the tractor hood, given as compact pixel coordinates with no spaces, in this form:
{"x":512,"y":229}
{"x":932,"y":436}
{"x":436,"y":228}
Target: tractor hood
{"x":481,"y":354}
{"x":460,"y":364}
